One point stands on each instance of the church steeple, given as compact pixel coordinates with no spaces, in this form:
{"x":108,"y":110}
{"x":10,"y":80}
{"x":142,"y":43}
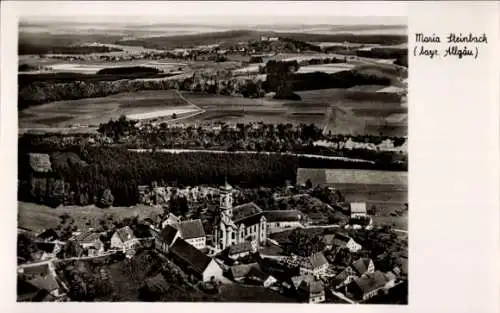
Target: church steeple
{"x":226,"y":198}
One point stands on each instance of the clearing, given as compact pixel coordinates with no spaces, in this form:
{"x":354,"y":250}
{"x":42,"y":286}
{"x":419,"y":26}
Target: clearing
{"x":38,"y":217}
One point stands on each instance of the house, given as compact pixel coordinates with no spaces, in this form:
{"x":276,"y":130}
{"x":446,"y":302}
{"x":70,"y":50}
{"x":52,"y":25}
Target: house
{"x":123,"y":238}
{"x":309,"y":288}
{"x":91,"y":242}
{"x":170,"y":220}
{"x":279,"y":220}
{"x":344,"y":241}
{"x":49,"y":234}
{"x":166,"y":238}
{"x":344,"y":278}
{"x":240,"y":223}
{"x":363,"y":266}
{"x":193,"y":233}
{"x":240,"y":271}
{"x":368,"y":286}
{"x":194,"y":262}
{"x":258,"y":277}
{"x":316,"y":264}
{"x":240,"y":250}
{"x":358,"y":209}
{"x":41,"y":277}
{"x":49,"y":249}
{"x":328,"y":240}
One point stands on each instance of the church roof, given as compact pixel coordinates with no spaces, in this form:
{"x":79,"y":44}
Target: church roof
{"x":248,"y":213}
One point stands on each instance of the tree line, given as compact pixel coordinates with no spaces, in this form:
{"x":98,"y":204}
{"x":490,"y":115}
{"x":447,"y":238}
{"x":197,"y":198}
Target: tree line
{"x":83,"y":175}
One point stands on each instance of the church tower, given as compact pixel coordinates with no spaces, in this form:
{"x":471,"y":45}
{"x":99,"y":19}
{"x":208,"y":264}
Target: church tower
{"x":226,"y":199}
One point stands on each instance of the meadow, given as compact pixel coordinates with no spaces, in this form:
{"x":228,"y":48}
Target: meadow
{"x":337,"y":110}
{"x":38,"y":217}
{"x":94,"y":111}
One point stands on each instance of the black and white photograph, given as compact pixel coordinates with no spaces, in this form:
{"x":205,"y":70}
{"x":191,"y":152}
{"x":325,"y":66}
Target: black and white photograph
{"x":196,"y":158}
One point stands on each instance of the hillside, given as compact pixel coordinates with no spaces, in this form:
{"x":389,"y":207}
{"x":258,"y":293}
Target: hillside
{"x":235,"y":36}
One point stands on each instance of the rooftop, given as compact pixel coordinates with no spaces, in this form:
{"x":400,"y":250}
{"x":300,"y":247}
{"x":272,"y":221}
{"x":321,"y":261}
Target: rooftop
{"x":283,"y":216}
{"x":168,"y":233}
{"x":244,"y":211}
{"x":242,"y":270}
{"x":125,"y":234}
{"x":361,"y":265}
{"x":192,"y":256}
{"x":87,"y":237}
{"x":191,"y":229}
{"x":241,"y":247}
{"x":371,"y":281}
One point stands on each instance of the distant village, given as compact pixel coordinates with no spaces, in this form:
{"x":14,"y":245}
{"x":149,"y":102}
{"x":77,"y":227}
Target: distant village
{"x":285,"y":252}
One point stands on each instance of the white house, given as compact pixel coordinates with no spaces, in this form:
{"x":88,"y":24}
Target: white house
{"x":170,"y":220}
{"x":358,"y":209}
{"x":280,"y":220}
{"x":123,"y":238}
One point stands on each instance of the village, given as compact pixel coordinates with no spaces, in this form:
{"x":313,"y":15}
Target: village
{"x":223,"y":238}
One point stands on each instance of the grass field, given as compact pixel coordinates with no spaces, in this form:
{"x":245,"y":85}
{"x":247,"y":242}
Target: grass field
{"x":94,"y":111}
{"x":38,"y":217}
{"x":387,"y":191}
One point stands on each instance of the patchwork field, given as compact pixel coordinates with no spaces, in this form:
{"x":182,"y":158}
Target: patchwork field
{"x":336,"y":110}
{"x":94,"y":111}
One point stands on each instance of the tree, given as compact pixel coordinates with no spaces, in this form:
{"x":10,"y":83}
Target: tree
{"x":107,"y":199}
{"x":70,"y":250}
{"x":304,"y":243}
{"x":309,"y":184}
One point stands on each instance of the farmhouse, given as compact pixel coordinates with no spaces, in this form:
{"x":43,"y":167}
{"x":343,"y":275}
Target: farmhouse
{"x":193,"y":233}
{"x":309,"y":288}
{"x":239,"y":272}
{"x":42,"y":277}
{"x":344,"y":241}
{"x":369,"y":285}
{"x":283,"y":219}
{"x":123,"y":238}
{"x":358,"y":209}
{"x":195,"y":262}
{"x":48,"y":235}
{"x":91,"y":242}
{"x":315,"y":265}
{"x":240,"y":223}
{"x":363,"y":266}
{"x":170,"y":220}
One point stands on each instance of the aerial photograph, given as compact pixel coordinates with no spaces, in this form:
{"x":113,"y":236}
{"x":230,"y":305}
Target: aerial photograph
{"x":250,"y":159}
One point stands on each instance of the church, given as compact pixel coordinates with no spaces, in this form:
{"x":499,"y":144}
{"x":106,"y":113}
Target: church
{"x":241,"y":223}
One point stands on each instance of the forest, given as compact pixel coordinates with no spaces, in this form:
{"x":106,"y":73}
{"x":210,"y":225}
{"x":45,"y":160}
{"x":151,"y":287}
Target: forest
{"x":81,"y":174}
